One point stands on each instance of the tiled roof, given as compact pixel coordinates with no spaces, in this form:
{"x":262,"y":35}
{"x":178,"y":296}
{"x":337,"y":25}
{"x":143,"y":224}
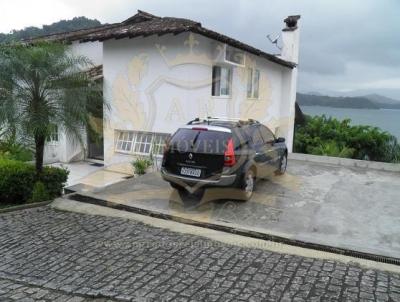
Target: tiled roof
{"x":144,"y":24}
{"x":71,"y":36}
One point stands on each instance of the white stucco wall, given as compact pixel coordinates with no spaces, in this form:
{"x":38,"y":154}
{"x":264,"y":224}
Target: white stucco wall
{"x":91,"y":50}
{"x":157,"y":84}
{"x":67,"y":149}
{"x":55,"y":151}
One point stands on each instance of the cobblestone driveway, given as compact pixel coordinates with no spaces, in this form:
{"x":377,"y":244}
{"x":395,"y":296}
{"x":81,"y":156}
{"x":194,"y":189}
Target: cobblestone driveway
{"x":49,"y":255}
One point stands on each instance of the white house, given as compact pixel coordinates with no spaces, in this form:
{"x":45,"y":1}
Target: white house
{"x":159,"y":73}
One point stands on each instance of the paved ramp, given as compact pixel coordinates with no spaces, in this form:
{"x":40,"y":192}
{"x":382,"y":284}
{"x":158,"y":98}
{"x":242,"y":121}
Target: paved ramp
{"x":351,"y":208}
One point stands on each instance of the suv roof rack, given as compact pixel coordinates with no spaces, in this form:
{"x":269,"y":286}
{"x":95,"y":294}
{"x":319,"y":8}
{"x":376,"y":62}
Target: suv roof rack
{"x":209,"y":119}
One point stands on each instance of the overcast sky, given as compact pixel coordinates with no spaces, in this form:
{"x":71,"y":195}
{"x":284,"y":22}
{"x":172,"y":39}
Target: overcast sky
{"x":346,"y":46}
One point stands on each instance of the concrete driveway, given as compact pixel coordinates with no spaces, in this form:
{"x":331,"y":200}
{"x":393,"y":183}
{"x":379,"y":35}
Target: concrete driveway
{"x":352,"y":208}
{"x":89,"y":175}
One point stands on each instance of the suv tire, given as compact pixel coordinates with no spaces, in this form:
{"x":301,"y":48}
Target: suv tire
{"x":282,"y":165}
{"x":247,"y":184}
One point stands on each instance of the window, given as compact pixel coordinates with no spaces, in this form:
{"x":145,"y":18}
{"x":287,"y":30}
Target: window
{"x":125,"y":140}
{"x":253,"y":82}
{"x":53,"y":137}
{"x":266,"y":134}
{"x":221,"y":81}
{"x":186,"y":140}
{"x":233,"y":55}
{"x":256,"y":136}
{"x":144,"y":143}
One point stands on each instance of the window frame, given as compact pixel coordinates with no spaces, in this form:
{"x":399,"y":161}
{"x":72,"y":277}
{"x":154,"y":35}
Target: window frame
{"x":251,"y":76}
{"x":215,"y":80}
{"x":232,"y":62}
{"x":135,"y":143}
{"x":140,"y":140}
{"x":160,"y":144}
{"x":266,"y":129}
{"x":253,"y":130}
{"x":54,"y":137}
{"x":122,"y":141}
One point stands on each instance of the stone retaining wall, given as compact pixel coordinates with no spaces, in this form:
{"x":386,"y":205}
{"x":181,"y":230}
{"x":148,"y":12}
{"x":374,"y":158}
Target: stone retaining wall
{"x":347,"y":162}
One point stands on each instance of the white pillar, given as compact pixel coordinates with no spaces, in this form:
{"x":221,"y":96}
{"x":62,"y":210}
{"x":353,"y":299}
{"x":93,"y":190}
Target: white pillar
{"x":290,"y":40}
{"x":290,"y":52}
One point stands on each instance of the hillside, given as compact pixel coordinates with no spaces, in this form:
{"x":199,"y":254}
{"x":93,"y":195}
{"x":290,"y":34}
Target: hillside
{"x":362,"y":102}
{"x":57,"y":27}
{"x":388,"y":103}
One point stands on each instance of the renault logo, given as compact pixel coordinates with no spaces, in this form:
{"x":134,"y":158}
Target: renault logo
{"x":190,"y":156}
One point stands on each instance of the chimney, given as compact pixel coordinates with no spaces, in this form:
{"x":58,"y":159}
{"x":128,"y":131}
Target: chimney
{"x":290,"y":39}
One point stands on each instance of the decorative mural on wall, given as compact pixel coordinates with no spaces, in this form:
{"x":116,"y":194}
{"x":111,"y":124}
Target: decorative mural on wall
{"x":144,"y":99}
{"x":140,"y":110}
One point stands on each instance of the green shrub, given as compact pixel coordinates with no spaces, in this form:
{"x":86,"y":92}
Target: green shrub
{"x":54,"y":179}
{"x":328,"y":136}
{"x":330,"y":148}
{"x":9,"y":149}
{"x":39,"y":193}
{"x":140,"y":165}
{"x":17,"y":180}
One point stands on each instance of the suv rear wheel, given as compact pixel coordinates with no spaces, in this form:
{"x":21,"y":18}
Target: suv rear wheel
{"x":282,"y":165}
{"x":248,"y":184}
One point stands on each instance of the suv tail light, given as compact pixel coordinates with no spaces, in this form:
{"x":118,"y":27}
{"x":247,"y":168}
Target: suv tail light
{"x":229,"y":155}
{"x":166,"y":147}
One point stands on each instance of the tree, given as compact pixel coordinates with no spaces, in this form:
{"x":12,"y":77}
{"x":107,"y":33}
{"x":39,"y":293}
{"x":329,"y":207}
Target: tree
{"x":321,"y":135}
{"x":57,"y":27}
{"x":41,"y":86}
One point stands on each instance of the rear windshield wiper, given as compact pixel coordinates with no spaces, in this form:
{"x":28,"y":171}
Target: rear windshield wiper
{"x":195,"y":139}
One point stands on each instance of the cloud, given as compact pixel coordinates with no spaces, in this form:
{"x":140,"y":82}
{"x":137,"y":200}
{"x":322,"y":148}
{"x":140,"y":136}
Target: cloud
{"x":17,"y":14}
{"x":336,"y":35}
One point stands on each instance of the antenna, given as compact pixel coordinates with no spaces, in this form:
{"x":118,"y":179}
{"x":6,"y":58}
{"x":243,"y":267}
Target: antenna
{"x":275,"y":41}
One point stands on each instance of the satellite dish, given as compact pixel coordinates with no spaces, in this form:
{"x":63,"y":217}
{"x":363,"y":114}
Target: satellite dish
{"x":275,"y":40}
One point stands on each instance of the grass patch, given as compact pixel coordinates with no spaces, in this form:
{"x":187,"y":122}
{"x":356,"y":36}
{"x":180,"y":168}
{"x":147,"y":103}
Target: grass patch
{"x":18,"y":206}
{"x":8,"y":205}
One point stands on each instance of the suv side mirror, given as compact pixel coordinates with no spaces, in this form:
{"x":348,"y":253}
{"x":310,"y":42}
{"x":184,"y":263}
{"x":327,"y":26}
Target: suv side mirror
{"x":280,"y":140}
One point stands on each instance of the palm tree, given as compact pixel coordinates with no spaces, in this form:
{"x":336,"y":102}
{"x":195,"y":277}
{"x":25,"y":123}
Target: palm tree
{"x":44,"y":85}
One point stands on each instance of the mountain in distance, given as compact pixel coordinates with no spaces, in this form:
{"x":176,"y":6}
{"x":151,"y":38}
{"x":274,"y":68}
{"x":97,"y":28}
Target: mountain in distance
{"x":314,"y":93}
{"x":57,"y":27}
{"x":390,"y":93}
{"x":377,"y":98}
{"x":373,"y":101}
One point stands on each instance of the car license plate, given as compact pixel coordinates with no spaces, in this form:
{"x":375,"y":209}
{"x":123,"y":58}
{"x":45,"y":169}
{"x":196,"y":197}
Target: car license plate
{"x":190,"y":172}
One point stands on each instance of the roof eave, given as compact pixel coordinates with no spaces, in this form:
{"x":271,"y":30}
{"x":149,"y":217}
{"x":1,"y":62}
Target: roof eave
{"x":110,"y":31}
{"x":69,"y":36}
{"x":246,"y":47}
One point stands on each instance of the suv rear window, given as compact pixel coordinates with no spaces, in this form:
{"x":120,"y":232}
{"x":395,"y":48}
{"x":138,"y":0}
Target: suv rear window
{"x":201,"y":141}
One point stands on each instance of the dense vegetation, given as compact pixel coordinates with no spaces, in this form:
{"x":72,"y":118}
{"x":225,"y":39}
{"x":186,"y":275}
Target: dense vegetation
{"x":10,"y":149}
{"x":19,"y":182}
{"x":57,"y":27}
{"x":367,"y":102}
{"x":320,"y":135}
